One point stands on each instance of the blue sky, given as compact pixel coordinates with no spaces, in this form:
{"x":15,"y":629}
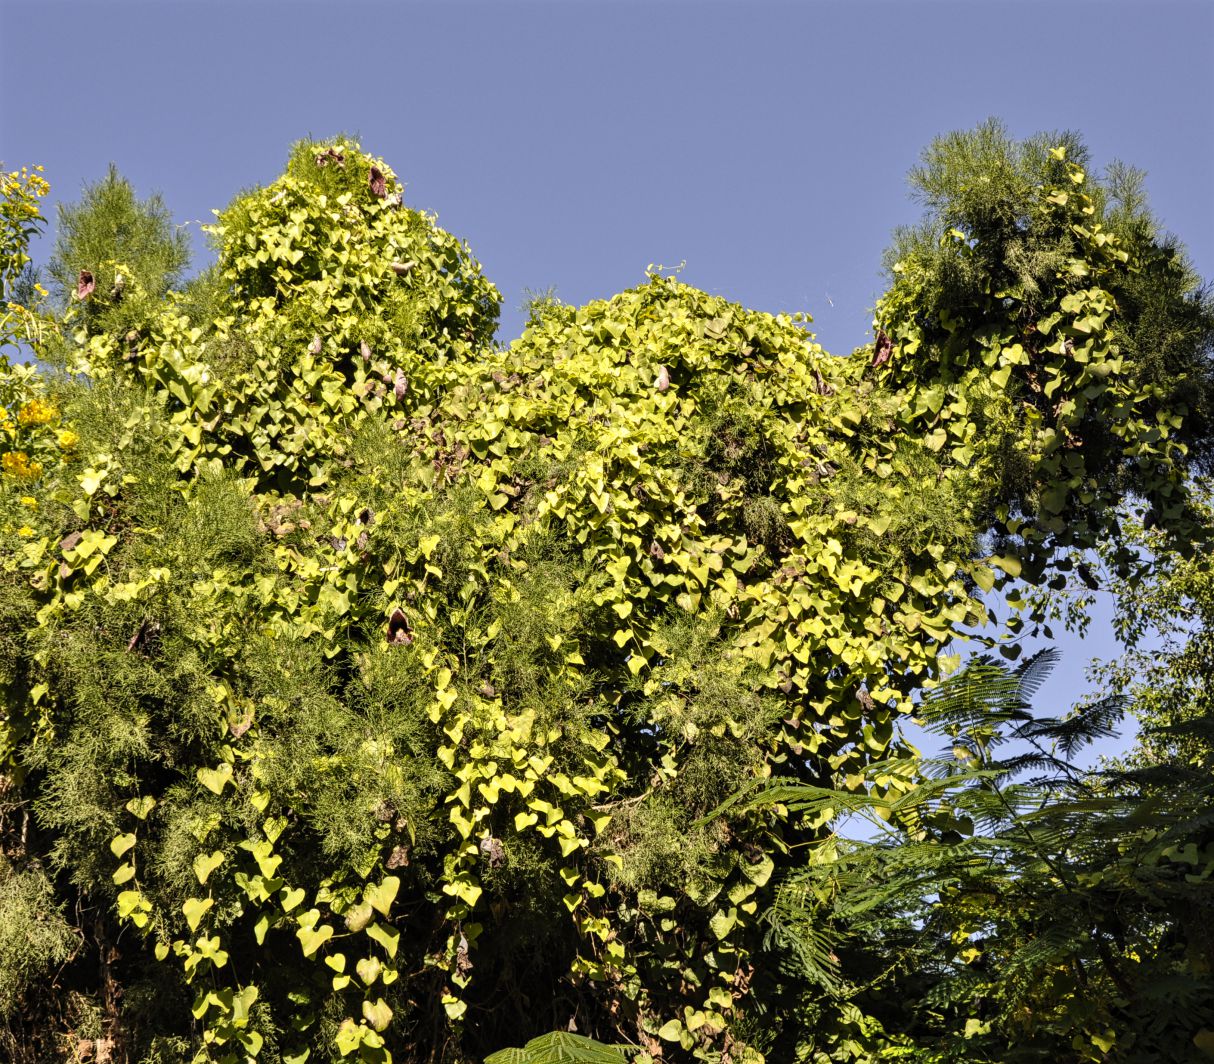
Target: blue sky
{"x":574,"y":142}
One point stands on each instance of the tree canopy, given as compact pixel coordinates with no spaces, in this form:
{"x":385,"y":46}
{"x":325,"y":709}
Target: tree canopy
{"x":375,"y":690}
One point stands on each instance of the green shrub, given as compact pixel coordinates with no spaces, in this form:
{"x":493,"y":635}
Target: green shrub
{"x":379,"y":682}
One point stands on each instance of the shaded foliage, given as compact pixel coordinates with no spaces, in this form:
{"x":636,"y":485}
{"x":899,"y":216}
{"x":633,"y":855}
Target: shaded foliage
{"x":1013,"y":907}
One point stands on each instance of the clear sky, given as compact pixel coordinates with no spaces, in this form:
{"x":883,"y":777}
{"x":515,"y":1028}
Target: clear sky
{"x":573,"y":142}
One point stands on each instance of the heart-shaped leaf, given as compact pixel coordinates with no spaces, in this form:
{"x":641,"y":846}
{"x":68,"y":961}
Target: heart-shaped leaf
{"x":348,"y":1037}
{"x":311,"y":939}
{"x":204,"y":865}
{"x":671,"y":1030}
{"x":215,"y":779}
{"x":195,"y":909}
{"x":358,"y":917}
{"x":386,"y":936}
{"x":983,"y":577}
{"x":308,"y":919}
{"x":203,"y":1002}
{"x":382,"y":896}
{"x":119,"y":844}
{"x":141,"y":806}
{"x":131,"y":902}
{"x":263,"y":853}
{"x":291,"y":898}
{"x":377,"y":1013}
{"x":242,"y":1001}
{"x":368,"y":969}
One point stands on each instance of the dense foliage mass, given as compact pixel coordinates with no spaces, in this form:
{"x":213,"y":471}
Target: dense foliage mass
{"x":375,"y":691}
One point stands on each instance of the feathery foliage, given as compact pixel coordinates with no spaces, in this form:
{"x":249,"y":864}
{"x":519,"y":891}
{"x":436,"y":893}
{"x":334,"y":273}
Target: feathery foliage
{"x":1025,"y":910}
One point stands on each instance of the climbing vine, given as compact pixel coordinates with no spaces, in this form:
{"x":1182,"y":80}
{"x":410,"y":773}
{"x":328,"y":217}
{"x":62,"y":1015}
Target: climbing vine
{"x":380,"y":680}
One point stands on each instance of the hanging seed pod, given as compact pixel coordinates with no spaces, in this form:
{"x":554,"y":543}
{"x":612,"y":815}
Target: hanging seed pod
{"x":399,"y":629}
{"x":884,"y":349}
{"x":378,"y":183}
{"x":492,"y":851}
{"x":364,"y":349}
{"x":315,"y":346}
{"x":401,"y":269}
{"x":85,"y":284}
{"x":144,"y":638}
{"x":400,"y":384}
{"x":663,"y":379}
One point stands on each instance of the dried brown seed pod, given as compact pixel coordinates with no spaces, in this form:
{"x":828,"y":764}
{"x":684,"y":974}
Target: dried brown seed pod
{"x":399,"y":629}
{"x":884,"y":349}
{"x":493,"y":851}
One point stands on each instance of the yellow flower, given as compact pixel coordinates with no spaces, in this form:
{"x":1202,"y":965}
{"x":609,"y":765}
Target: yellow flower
{"x":18,"y":466}
{"x":68,"y":439}
{"x":30,"y":501}
{"x":37,"y":412}
{"x":25,"y":531}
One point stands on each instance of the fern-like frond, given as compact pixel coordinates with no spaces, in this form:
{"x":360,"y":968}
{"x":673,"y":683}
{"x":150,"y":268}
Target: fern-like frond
{"x":560,"y":1047}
